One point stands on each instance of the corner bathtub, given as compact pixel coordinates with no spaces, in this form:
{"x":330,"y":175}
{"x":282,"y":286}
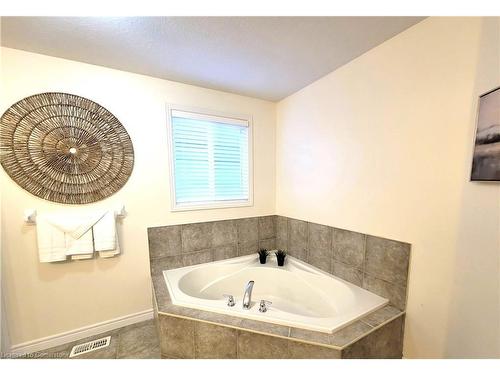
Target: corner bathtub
{"x":302,"y":296}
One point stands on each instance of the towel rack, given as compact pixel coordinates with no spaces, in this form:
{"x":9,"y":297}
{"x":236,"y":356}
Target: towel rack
{"x":30,"y":214}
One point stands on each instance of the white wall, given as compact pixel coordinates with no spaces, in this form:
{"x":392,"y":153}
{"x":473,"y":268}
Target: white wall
{"x":46,"y":299}
{"x":383,"y":146}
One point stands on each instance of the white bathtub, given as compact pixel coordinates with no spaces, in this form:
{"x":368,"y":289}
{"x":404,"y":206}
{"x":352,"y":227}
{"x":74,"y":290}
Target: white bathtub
{"x":302,"y":296}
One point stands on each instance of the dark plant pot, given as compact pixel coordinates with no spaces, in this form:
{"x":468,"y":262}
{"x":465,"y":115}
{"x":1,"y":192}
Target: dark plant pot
{"x":263,"y":259}
{"x":281,"y":261}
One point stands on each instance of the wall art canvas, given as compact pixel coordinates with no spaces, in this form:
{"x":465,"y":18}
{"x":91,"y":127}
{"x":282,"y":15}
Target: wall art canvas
{"x":486,"y":158}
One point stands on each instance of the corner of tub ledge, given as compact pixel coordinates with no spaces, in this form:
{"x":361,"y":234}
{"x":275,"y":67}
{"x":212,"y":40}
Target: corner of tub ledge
{"x":382,"y":316}
{"x":160,"y":293}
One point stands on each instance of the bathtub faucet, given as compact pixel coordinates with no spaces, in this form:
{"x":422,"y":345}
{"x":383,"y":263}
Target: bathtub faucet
{"x":247,"y":297}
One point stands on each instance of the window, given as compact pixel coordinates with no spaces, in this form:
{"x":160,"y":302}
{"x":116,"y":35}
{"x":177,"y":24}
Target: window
{"x":210,"y":160}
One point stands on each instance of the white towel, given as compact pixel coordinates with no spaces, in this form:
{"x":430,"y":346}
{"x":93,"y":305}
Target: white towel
{"x":105,"y":236}
{"x":75,"y":225}
{"x":112,"y":252}
{"x":61,"y":235}
{"x":78,"y":233}
{"x":81,"y":248}
{"x":51,"y":241}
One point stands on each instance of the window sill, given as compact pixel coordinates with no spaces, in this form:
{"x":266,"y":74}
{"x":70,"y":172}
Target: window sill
{"x":211,"y":206}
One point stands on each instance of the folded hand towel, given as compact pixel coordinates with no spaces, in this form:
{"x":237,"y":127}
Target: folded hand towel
{"x":75,"y":225}
{"x":60,"y":236}
{"x":105,"y":236}
{"x":110,"y":253}
{"x":51,"y":241}
{"x":81,"y":248}
{"x":77,"y":232}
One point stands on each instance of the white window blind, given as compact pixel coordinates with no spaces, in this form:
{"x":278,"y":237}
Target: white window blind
{"x":210,"y":159}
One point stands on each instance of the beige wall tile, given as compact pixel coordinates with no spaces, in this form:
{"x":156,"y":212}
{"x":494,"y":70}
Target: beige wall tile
{"x":176,"y":337}
{"x":214,"y":341}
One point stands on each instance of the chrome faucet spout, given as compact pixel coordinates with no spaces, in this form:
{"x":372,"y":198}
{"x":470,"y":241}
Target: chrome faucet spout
{"x":247,"y":297}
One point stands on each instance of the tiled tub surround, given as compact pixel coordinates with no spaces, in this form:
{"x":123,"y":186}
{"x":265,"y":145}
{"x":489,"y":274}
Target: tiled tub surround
{"x":376,"y":264}
{"x":191,"y":333}
{"x":188,"y":244}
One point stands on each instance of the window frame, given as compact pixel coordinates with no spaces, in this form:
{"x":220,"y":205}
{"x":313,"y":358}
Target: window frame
{"x":174,"y":206}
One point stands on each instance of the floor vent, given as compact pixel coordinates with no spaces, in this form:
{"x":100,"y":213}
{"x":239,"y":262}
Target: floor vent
{"x":90,"y":346}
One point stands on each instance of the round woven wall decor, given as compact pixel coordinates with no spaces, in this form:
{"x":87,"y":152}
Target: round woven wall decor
{"x":65,"y":148}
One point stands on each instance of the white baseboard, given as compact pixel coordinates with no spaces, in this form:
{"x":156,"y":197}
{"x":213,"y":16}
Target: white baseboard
{"x":80,"y":333}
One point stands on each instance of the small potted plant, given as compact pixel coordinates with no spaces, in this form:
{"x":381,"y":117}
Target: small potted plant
{"x":280,"y":257}
{"x":263,"y":254}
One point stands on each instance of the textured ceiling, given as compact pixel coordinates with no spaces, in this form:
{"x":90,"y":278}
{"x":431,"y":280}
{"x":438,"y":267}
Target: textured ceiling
{"x":263,"y":57}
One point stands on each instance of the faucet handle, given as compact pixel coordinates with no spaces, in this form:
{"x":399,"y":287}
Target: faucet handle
{"x":264,"y":305}
{"x":230,"y":299}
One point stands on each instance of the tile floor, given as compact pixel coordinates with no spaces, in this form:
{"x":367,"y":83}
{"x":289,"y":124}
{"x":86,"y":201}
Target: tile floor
{"x":136,"y":341}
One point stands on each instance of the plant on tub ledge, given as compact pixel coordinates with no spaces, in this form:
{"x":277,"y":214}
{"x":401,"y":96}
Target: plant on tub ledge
{"x":280,"y":257}
{"x":263,"y":254}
